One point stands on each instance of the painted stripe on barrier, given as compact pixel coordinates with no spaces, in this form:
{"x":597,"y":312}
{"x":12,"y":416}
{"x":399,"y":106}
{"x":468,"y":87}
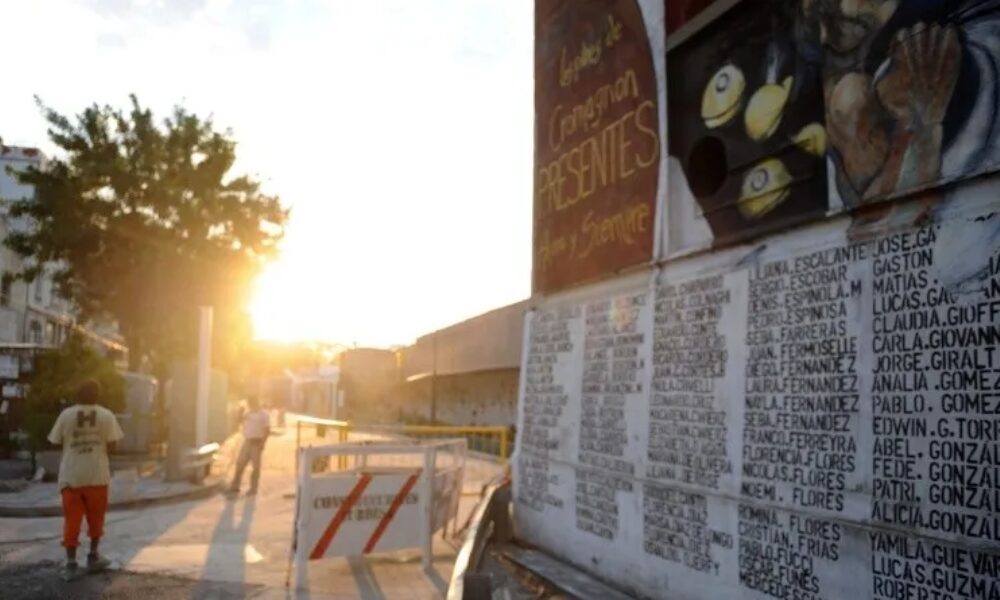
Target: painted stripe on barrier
{"x":393,"y":508}
{"x":338,"y":518}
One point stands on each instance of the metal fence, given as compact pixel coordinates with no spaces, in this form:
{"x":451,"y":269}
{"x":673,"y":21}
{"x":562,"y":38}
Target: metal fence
{"x":314,"y":431}
{"x":489,"y":441}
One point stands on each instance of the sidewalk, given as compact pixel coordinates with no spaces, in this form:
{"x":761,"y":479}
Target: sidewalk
{"x":43,"y":500}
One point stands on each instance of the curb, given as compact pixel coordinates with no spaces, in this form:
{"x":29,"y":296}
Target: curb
{"x":56,"y":511}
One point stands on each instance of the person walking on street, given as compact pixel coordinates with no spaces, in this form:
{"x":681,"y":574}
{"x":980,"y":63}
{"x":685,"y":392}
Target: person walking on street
{"x":256,"y":428}
{"x":86,"y":432}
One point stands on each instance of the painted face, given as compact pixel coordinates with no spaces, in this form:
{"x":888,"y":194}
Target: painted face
{"x":845,"y":26}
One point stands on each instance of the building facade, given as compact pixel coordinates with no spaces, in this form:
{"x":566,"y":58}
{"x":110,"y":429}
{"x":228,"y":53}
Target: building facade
{"x":760,"y":356}
{"x":33,"y":317}
{"x":467,"y":373}
{"x":33,"y":312}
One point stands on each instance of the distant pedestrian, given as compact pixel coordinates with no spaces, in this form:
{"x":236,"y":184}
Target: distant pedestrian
{"x":87,"y":432}
{"x":256,"y":428}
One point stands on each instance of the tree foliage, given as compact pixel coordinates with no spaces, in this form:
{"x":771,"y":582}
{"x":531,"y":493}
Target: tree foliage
{"x":144,"y":223}
{"x":56,"y":376}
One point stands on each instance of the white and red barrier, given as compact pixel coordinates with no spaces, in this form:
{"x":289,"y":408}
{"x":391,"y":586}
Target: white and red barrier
{"x":375,"y":508}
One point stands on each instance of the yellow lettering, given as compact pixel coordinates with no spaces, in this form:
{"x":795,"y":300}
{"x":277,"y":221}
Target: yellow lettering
{"x":623,"y":228}
{"x":590,"y":53}
{"x":600,"y":160}
{"x":550,"y":249}
{"x":614,"y":31}
{"x":623,"y":144}
{"x":570,"y":68}
{"x":587,"y":115}
{"x":555,"y":144}
{"x":574,"y":159}
{"x":649,"y":132}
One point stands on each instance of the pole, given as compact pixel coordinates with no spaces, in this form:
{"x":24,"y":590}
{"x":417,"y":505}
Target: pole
{"x":503,"y":445}
{"x":427,"y":502}
{"x":298,"y":444}
{"x":303,"y":492}
{"x":204,"y":372}
{"x":434,"y":376}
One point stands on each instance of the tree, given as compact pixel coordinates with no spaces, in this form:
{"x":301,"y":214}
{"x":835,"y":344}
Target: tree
{"x":143,"y":223}
{"x":53,"y":383}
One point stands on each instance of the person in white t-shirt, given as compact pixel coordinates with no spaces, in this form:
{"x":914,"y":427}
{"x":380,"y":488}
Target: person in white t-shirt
{"x":256,"y":428}
{"x":85,"y":431}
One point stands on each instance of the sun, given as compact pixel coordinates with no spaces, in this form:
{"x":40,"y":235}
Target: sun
{"x":275,"y":307}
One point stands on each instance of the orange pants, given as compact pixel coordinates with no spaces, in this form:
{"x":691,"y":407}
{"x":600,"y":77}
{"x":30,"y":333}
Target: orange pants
{"x":90,"y":501}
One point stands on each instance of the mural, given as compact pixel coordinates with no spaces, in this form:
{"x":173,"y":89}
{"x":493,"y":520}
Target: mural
{"x":813,"y":413}
{"x":746,"y":122}
{"x":892,"y":97}
{"x":911,"y":90}
{"x":597,"y":140}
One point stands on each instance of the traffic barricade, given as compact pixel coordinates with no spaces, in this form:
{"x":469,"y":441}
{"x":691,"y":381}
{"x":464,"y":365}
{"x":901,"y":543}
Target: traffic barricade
{"x":392,"y":495}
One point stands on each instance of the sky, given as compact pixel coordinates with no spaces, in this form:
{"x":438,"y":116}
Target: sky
{"x":399,"y":132}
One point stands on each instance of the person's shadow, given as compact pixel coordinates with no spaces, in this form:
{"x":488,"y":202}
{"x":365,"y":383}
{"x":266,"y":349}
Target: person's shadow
{"x":226,"y":558}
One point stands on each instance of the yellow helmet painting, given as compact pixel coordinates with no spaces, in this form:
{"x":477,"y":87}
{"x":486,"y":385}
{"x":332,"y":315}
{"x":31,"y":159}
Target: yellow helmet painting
{"x":765,"y":186}
{"x":765,"y":109}
{"x":723,"y":96}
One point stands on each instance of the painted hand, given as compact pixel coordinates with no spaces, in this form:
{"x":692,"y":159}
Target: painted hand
{"x":916,"y":83}
{"x":854,"y":119}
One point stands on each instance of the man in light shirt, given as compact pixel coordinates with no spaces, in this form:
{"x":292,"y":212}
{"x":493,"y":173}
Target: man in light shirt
{"x":256,"y":428}
{"x":85,"y":431}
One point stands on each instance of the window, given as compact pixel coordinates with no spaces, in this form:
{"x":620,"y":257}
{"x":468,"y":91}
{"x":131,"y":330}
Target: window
{"x":50,"y":334}
{"x":38,"y":289}
{"x":35,"y":332}
{"x":5,"y":285}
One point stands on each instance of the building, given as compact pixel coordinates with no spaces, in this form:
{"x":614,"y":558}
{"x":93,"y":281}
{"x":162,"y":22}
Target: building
{"x":316,"y":391}
{"x":33,"y":312}
{"x":33,"y":316}
{"x":368,"y":388}
{"x":766,"y":292}
{"x":467,"y":373}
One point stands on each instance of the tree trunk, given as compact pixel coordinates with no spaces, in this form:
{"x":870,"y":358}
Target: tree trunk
{"x":135,"y":353}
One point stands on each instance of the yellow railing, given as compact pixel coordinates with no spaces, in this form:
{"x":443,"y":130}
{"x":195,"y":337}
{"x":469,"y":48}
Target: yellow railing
{"x":318,"y":428}
{"x":494,"y":441}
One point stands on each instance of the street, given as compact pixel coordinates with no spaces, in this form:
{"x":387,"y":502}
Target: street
{"x":220,"y":548}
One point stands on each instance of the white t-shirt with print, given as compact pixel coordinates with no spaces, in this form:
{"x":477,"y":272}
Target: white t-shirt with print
{"x":84,"y":430}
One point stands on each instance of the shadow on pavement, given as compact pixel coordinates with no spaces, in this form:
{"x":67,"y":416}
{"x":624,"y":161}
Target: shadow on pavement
{"x":364,"y":578}
{"x":228,"y":547}
{"x":436,"y":579}
{"x":32,"y":565}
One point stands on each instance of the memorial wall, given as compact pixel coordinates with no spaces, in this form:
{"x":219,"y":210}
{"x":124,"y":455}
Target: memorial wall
{"x":810,"y":417}
{"x":796,"y":394}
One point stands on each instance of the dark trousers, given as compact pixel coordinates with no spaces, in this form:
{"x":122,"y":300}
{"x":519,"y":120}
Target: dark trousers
{"x":250,"y":452}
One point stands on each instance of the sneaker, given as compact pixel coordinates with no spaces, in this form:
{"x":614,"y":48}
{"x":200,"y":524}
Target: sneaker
{"x":70,"y":571}
{"x":96,"y":564}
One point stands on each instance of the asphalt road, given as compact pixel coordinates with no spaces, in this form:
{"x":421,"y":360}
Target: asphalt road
{"x":220,"y":548}
{"x":41,"y":581}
